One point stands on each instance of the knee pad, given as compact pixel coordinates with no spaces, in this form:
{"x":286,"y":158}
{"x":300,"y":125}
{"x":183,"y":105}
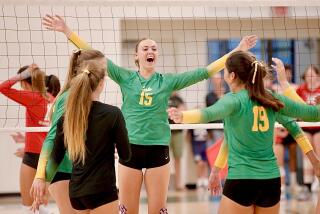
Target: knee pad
{"x":164,"y":211}
{"x":122,"y":209}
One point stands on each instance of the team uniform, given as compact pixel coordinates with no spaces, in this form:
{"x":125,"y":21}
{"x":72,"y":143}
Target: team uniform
{"x":144,"y":109}
{"x":253,"y":174}
{"x":93,"y":183}
{"x":65,"y":166}
{"x":140,"y":112}
{"x":36,"y":109}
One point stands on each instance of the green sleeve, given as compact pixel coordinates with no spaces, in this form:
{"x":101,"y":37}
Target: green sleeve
{"x":221,"y":109}
{"x":58,"y":152}
{"x":117,"y":73}
{"x":185,"y":79}
{"x":299,"y":110}
{"x":290,"y":124}
{"x":49,"y":141}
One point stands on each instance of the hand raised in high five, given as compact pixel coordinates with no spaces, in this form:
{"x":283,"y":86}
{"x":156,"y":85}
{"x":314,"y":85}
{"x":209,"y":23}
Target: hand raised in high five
{"x":56,"y":23}
{"x":247,"y":43}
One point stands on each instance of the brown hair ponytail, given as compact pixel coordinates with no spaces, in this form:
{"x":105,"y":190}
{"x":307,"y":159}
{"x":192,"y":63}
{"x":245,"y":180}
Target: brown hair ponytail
{"x":252,"y":73}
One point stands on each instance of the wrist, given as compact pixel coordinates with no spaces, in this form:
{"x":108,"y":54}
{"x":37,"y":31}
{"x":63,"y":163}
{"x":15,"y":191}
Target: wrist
{"x":215,"y":170}
{"x":284,"y":84}
{"x":67,"y":32}
{"x":312,"y":157}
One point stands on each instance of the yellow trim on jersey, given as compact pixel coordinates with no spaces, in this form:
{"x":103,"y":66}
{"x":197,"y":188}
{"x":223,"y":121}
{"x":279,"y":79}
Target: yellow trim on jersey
{"x":292,"y":94}
{"x":78,"y":42}
{"x":301,"y":139}
{"x":222,"y":157}
{"x":41,"y":169}
{"x":304,"y":143}
{"x":217,"y":65}
{"x":192,"y":116}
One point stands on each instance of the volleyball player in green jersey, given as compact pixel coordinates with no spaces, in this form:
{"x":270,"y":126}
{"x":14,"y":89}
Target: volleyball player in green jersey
{"x":145,"y":99}
{"x":59,"y":183}
{"x":249,"y":113}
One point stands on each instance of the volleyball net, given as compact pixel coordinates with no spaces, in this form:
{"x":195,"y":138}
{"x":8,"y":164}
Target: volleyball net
{"x":189,"y":34}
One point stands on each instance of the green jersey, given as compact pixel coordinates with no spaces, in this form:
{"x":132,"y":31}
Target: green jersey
{"x":249,"y":130}
{"x":145,"y":101}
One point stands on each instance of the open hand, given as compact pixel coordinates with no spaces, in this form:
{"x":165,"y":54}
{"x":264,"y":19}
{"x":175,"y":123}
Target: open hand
{"x":56,"y":23}
{"x":38,"y":191}
{"x":281,"y":71}
{"x":215,"y":183}
{"x":247,"y":43}
{"x":175,"y":114}
{"x":19,"y":152}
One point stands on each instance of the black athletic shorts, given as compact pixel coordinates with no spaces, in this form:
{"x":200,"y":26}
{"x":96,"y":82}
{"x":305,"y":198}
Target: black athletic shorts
{"x":31,"y":159}
{"x":93,"y":201}
{"x":147,"y":156}
{"x":247,"y":192}
{"x":61,"y":176}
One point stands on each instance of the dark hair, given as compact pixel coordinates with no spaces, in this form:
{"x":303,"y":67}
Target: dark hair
{"x":22,"y":69}
{"x":136,"y":50}
{"x":313,"y":67}
{"x":243,"y":65}
{"x":52,"y":85}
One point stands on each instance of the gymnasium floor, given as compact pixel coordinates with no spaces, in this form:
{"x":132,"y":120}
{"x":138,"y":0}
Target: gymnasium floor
{"x":184,"y":202}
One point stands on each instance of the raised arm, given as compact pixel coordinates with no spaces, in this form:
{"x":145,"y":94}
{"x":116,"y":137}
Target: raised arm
{"x":57,"y":23}
{"x":245,"y":44}
{"x":185,"y":79}
{"x":20,"y":96}
{"x":288,"y":91}
{"x":296,"y":109}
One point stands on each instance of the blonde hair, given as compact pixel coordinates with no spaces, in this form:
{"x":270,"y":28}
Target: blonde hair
{"x":77,"y":59}
{"x":78,"y":107}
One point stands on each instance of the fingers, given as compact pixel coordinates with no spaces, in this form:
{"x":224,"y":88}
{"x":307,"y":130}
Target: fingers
{"x":31,"y":192}
{"x":59,"y":17}
{"x":48,"y":21}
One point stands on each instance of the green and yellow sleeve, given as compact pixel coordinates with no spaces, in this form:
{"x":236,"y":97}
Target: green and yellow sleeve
{"x":217,"y":65}
{"x":299,"y":110}
{"x":221,"y":109}
{"x":49,"y":141}
{"x":292,"y":94}
{"x":78,"y":42}
{"x":296,"y":132}
{"x":222,"y":158}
